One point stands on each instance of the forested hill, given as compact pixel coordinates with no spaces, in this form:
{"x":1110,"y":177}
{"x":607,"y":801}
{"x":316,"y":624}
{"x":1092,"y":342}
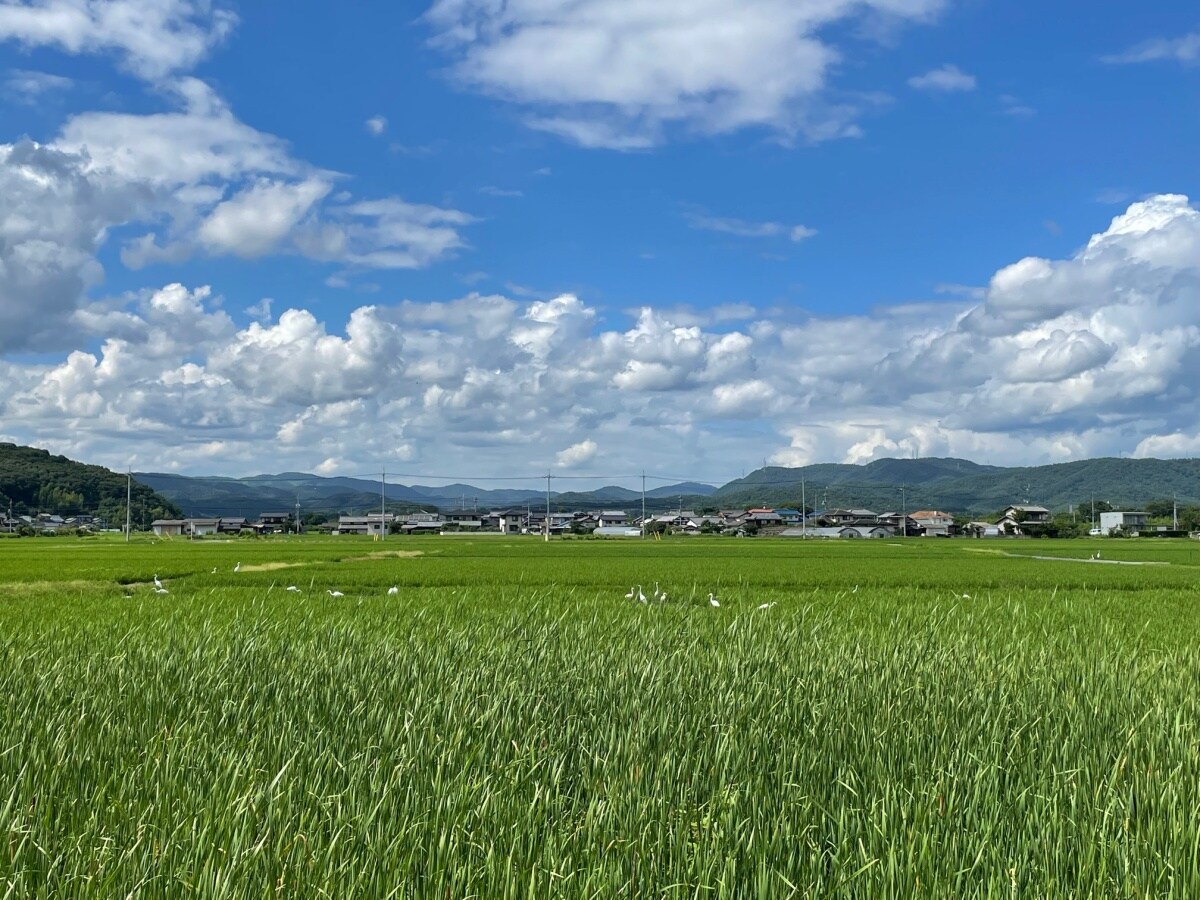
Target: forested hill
{"x":959,"y":485}
{"x":32,"y":481}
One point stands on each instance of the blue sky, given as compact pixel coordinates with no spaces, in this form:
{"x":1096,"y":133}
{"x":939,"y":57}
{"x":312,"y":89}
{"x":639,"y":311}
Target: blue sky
{"x":599,"y":236}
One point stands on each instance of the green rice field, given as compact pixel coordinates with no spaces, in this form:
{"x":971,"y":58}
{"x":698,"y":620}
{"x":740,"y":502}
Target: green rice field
{"x":905,"y":718}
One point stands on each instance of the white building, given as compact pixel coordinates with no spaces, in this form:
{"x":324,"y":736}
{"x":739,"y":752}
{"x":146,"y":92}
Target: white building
{"x":374,"y":524}
{"x":1126,"y":522}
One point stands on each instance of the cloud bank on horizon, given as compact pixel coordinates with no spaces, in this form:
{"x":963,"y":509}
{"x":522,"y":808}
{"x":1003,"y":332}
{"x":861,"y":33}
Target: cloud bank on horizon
{"x":1092,"y":353}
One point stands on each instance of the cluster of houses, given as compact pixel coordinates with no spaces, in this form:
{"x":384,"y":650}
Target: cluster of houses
{"x":267,"y":523}
{"x":782,"y":521}
{"x":50,"y":524}
{"x":829,"y":523}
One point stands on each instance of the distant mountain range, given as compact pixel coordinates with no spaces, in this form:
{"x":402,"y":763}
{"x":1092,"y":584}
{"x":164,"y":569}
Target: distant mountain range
{"x":962,"y":486}
{"x":256,"y":494}
{"x":953,"y":485}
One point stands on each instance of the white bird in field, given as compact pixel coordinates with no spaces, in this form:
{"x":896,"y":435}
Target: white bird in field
{"x":641,"y":595}
{"x":157,"y":583}
{"x":630,"y":595}
{"x":238,"y":567}
{"x":334,"y":593}
{"x":765,"y":605}
{"x":657,"y":593}
{"x":855,"y":591}
{"x":293,"y":589}
{"x":393,"y":590}
{"x":214,"y":571}
{"x":161,"y":590}
{"x":712,"y":601}
{"x":663,"y":598}
{"x":966,"y":596}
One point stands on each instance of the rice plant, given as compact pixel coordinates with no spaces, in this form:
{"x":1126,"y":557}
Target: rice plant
{"x":508,"y":724}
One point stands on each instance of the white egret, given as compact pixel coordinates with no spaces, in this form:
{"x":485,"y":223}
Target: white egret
{"x":393,"y":590}
{"x":238,"y":567}
{"x":161,"y":590}
{"x":214,"y":571}
{"x":641,"y":595}
{"x":157,"y":583}
{"x":663,"y":598}
{"x":334,"y":593}
{"x":712,"y":601}
{"x":765,"y":605}
{"x":657,"y":593}
{"x":293,"y":589}
{"x":630,"y":595}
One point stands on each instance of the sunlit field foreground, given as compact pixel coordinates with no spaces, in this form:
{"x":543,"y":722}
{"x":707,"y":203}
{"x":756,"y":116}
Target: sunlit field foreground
{"x":928,"y":718}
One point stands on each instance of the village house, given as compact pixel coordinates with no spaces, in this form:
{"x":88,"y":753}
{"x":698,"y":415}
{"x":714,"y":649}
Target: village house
{"x":983,"y":530}
{"x":899,"y":523}
{"x":273,"y":522}
{"x":841,"y":532}
{"x":832,"y":517}
{"x":763,"y":518}
{"x":1014,"y":517}
{"x":1123,"y":522}
{"x":375,"y":524}
{"x":512,"y":521}
{"x":932,"y":523}
{"x":700,"y":524}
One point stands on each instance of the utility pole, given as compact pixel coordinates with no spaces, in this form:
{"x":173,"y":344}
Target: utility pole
{"x":547,"y":507}
{"x":297,"y":514}
{"x":643,"y":504}
{"x":1174,"y":512}
{"x":128,"y":501}
{"x":803,"y":511}
{"x":903,"y":513}
{"x":383,"y":505}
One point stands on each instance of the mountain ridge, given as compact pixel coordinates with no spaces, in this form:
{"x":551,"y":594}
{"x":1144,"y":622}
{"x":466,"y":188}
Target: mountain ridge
{"x":891,"y":484}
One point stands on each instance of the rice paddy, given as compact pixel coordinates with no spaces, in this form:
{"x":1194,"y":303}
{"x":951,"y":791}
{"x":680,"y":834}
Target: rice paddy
{"x":909,"y":718}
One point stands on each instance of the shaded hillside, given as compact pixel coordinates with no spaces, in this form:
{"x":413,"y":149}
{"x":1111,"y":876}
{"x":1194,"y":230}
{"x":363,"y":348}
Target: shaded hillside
{"x":963,"y":486}
{"x":33,"y":481}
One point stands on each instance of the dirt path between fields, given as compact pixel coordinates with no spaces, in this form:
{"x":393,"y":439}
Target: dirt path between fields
{"x":1097,"y":562}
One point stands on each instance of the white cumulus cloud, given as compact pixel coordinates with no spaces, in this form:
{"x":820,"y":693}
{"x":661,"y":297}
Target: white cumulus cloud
{"x":622,"y":74}
{"x":576,"y":454}
{"x":192,"y":179}
{"x":1094,"y":354}
{"x":151,"y":38}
